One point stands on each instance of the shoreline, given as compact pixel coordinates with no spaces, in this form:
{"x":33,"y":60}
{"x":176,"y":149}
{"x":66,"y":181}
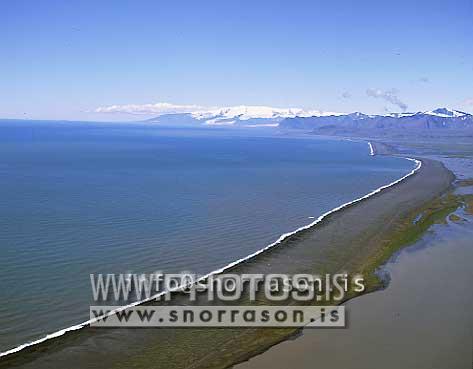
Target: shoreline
{"x":378,"y":266}
{"x":271,"y":252}
{"x":291,"y":348}
{"x":392,"y":310}
{"x":372,"y":152}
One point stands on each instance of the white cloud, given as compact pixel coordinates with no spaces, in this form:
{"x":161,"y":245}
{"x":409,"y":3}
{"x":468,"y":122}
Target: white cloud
{"x":468,"y":102}
{"x":388,"y":95}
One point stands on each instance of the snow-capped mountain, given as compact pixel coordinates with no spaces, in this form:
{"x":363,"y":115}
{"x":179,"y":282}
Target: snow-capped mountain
{"x":440,"y":112}
{"x":438,"y":120}
{"x":323,"y":122}
{"x":247,"y":116}
{"x":446,"y":113}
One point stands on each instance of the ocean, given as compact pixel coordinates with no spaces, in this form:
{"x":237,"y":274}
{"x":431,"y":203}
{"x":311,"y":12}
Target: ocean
{"x":82,"y":198}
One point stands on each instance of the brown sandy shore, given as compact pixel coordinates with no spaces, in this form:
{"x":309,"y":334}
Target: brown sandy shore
{"x":423,"y":319}
{"x":355,"y":239}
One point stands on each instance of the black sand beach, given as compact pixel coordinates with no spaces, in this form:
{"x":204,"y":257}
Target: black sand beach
{"x":230,"y":184}
{"x":423,"y":318}
{"x":355,"y":239}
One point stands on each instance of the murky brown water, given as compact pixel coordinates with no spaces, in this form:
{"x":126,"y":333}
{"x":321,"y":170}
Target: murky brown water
{"x":424,"y":319}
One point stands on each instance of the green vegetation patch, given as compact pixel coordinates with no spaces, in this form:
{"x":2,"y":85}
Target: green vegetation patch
{"x":410,"y":230}
{"x":455,"y":218}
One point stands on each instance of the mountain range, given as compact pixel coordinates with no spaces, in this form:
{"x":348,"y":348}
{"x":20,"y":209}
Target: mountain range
{"x":242,"y":116}
{"x":438,"y":120}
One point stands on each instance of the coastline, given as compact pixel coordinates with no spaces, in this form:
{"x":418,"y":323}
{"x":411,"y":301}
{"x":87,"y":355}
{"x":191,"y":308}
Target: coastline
{"x":373,"y":150}
{"x":409,"y":309}
{"x":382,"y":238}
{"x":298,"y":242}
{"x":395,"y":304}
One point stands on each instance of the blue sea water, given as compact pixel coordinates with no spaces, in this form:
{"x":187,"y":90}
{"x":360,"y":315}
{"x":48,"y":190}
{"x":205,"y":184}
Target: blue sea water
{"x":82,"y":198}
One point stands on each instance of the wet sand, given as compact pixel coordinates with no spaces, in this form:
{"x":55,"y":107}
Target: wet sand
{"x":423,"y":320}
{"x":351,"y":240}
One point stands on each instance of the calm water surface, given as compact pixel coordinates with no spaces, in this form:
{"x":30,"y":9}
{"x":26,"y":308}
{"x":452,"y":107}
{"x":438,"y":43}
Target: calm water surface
{"x":88,"y":198}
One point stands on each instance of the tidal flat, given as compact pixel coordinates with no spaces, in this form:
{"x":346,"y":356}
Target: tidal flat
{"x":422,"y":320}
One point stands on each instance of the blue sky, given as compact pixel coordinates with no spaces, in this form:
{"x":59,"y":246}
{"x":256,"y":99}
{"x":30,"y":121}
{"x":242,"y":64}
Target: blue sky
{"x":65,"y":59}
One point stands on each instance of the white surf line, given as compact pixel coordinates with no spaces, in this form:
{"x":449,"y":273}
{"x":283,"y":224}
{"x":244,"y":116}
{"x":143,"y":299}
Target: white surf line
{"x":371,"y":149}
{"x":218,"y":271}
